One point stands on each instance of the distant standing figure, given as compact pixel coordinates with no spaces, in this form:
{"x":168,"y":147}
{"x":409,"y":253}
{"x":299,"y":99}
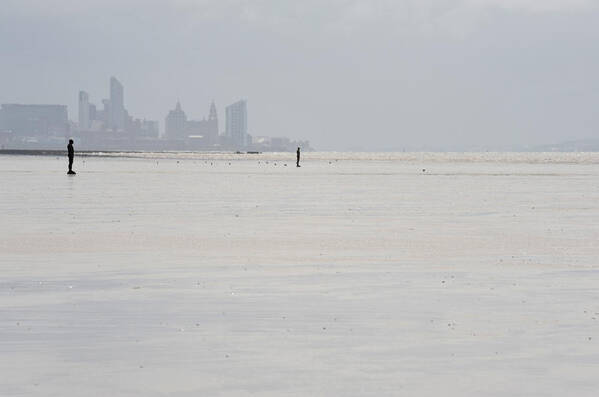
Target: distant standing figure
{"x":298,"y":157}
{"x":71,"y":157}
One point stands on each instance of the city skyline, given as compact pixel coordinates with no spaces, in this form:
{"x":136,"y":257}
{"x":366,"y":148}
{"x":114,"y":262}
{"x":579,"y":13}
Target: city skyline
{"x":118,"y":114}
{"x":113,"y":127}
{"x":372,"y":75}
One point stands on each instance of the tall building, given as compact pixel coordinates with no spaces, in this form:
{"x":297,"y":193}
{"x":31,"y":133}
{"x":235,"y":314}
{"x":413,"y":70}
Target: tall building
{"x":210,"y":126}
{"x":213,"y":116}
{"x":106,"y":114}
{"x":117,"y":105}
{"x":203,"y":133}
{"x":175,"y":123}
{"x":143,"y":128}
{"x":236,"y":123}
{"x":92,"y":112}
{"x":84,"y":120}
{"x":35,"y":120}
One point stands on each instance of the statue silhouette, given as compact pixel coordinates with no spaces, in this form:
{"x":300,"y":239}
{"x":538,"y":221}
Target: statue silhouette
{"x":71,"y":153}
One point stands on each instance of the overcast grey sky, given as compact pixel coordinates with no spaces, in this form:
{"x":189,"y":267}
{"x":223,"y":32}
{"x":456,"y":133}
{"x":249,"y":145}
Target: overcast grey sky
{"x":345,"y":74}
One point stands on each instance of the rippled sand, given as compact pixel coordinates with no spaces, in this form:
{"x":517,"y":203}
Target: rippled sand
{"x":354,"y":275}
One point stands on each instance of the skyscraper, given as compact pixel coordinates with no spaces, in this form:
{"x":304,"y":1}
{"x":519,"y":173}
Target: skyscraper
{"x":92,"y":113}
{"x":83,"y":111}
{"x":236,"y":123}
{"x":106,"y":113}
{"x":175,"y":123}
{"x":117,"y":106}
{"x":213,"y":115}
{"x":212,"y":124}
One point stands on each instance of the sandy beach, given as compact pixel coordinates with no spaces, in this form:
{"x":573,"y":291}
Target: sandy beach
{"x":354,"y":275}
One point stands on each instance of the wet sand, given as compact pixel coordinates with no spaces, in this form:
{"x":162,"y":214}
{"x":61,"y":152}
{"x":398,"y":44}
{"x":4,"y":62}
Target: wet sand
{"x":354,"y":275}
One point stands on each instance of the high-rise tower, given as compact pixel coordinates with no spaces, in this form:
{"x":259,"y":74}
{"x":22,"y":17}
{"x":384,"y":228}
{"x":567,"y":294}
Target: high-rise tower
{"x":213,"y":124}
{"x":84,"y":122}
{"x":213,"y":115}
{"x":117,"y":106}
{"x":236,"y":123}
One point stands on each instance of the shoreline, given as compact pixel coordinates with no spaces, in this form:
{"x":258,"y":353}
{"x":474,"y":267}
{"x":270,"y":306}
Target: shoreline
{"x":98,"y":153}
{"x":420,"y":158}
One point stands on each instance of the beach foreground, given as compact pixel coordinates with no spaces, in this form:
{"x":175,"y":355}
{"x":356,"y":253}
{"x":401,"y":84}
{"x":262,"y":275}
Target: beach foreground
{"x":222,"y":275}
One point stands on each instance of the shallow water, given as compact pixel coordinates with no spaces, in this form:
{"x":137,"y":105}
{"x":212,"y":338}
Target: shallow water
{"x":356,"y":274}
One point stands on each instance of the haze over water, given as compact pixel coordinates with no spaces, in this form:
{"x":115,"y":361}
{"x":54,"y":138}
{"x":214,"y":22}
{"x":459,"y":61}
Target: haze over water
{"x":356,"y":274}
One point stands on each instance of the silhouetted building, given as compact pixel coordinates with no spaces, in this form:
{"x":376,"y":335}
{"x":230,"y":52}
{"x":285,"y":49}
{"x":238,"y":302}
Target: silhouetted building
{"x":106,"y":115}
{"x":212,"y":125}
{"x":34,"y":120}
{"x":84,"y":119}
{"x":92,"y":113}
{"x":175,"y":123}
{"x":143,"y":128}
{"x":112,"y":126}
{"x":117,"y":106}
{"x":205,"y":130}
{"x":150,"y":128}
{"x":236,"y":124}
{"x":213,"y":115}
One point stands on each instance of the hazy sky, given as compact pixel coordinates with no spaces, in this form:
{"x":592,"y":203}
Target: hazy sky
{"x":345,"y":74}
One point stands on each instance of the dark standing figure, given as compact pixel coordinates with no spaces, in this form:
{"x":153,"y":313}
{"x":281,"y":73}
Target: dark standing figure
{"x":71,"y":157}
{"x":298,"y":157}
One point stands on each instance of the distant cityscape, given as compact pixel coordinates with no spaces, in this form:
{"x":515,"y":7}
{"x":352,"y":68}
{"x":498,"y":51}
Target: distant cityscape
{"x":111,"y":127}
